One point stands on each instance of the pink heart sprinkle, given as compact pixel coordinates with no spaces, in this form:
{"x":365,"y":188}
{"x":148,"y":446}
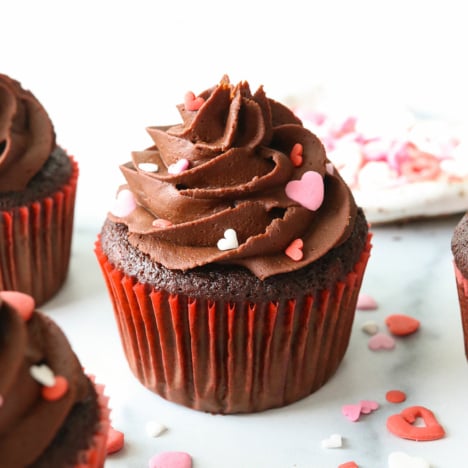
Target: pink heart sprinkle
{"x":366,"y":302}
{"x":178,"y":167}
{"x":23,"y":303}
{"x":330,"y":168}
{"x":161,"y":223}
{"x":124,"y":204}
{"x":308,"y":192}
{"x":352,"y":412}
{"x":191,"y":102}
{"x":367,"y":406}
{"x":381,"y":341}
{"x":171,"y":460}
{"x":294,"y":250}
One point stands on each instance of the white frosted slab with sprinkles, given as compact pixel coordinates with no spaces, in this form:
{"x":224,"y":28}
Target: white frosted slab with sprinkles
{"x":399,"y":167}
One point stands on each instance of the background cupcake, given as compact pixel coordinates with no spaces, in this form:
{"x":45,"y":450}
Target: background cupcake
{"x":37,"y":197}
{"x":460,"y":256}
{"x":51,"y":413}
{"x":233,"y":256}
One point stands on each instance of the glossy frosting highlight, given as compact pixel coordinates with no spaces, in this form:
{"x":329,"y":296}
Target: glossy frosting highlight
{"x":26,"y":135}
{"x":228,"y":165}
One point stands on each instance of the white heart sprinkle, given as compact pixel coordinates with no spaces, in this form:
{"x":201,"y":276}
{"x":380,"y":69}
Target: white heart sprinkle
{"x":402,"y":460}
{"x":370,"y":327}
{"x":148,"y":167}
{"x":154,"y":429}
{"x":329,"y":168}
{"x":229,"y":241}
{"x":43,"y":374}
{"x":334,"y":441}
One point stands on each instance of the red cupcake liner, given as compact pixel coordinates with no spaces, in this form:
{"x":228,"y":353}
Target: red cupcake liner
{"x":462,"y":289}
{"x":35,"y":243}
{"x":231,"y":357}
{"x":94,"y":456}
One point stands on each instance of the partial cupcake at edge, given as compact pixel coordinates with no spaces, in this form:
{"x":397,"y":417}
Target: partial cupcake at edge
{"x":51,"y":413}
{"x":37,"y":196}
{"x":233,"y":256}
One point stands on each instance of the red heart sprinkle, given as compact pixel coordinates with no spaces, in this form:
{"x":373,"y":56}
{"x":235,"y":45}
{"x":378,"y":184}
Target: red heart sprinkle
{"x":296,"y":154}
{"x":57,"y":390}
{"x":115,"y":440}
{"x":294,"y":250}
{"x":193,"y":103}
{"x":350,"y":464}
{"x":401,"y":325}
{"x":402,"y":424}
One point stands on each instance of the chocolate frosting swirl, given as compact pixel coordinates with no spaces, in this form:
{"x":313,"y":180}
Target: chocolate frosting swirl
{"x":27,"y":136}
{"x":28,"y":423}
{"x":237,"y":147}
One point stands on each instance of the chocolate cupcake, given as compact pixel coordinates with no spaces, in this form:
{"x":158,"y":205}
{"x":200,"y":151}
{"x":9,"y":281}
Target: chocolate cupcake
{"x":37,"y":197}
{"x":459,"y":246}
{"x":51,"y":413}
{"x":233,"y":256}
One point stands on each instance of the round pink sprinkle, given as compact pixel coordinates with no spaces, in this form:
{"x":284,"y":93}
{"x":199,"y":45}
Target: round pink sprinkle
{"x":171,"y":460}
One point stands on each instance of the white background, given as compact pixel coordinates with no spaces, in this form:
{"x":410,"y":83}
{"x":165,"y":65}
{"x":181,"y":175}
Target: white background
{"x":105,"y":70}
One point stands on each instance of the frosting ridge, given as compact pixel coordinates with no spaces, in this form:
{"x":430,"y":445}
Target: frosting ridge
{"x":27,"y":135}
{"x":229,"y":166}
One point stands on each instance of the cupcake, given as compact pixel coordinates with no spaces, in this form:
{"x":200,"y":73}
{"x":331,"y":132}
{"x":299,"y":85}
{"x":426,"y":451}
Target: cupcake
{"x":460,"y":259}
{"x":37,"y":196}
{"x":233,"y":256}
{"x":51,"y":413}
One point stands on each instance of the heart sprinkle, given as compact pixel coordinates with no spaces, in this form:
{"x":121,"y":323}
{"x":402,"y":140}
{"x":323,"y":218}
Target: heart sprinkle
{"x":351,"y":412}
{"x":23,"y":303}
{"x":294,"y":250}
{"x":350,"y":464}
{"x":161,"y":223}
{"x":154,"y":429}
{"x":402,"y":460}
{"x":381,"y":341}
{"x":401,"y":325}
{"x":124,"y":204}
{"x":296,"y":155}
{"x":171,"y":460}
{"x":56,"y":391}
{"x":395,"y":396}
{"x":370,"y":327}
{"x":148,"y":167}
{"x":330,"y":168}
{"x":366,"y":302}
{"x":334,"y":441}
{"x":229,"y":241}
{"x":402,"y":424}
{"x":367,"y":406}
{"x":192,"y":103}
{"x":42,"y":374}
{"x":308,"y":191}
{"x":180,"y":166}
{"x":115,"y":440}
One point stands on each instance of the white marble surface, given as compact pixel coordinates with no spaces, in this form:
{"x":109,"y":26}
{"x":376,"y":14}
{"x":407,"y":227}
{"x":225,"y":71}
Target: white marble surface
{"x":410,"y":272}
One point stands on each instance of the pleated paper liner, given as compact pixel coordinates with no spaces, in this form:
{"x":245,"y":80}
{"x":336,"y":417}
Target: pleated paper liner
{"x":95,"y":455}
{"x":232,"y":357}
{"x":462,"y":289}
{"x":35,"y":243}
